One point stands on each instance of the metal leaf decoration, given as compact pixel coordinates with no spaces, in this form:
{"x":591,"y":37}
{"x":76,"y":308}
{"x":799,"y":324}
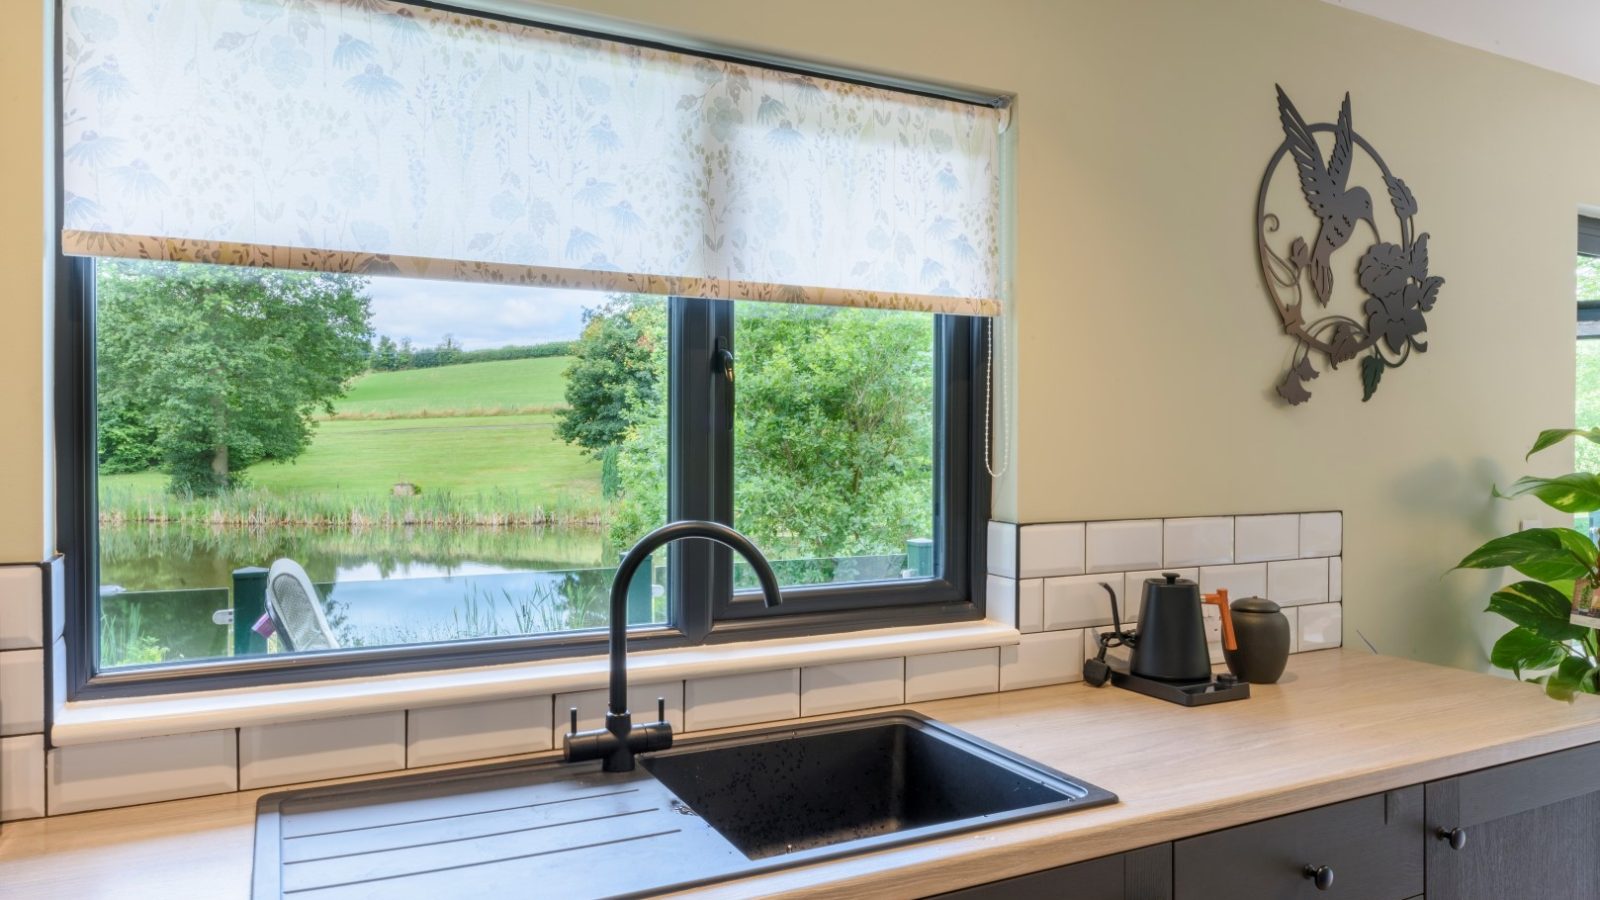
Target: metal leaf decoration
{"x":1393,"y":278}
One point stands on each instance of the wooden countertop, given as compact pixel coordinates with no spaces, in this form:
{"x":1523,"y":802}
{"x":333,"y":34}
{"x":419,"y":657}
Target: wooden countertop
{"x":1341,"y":724}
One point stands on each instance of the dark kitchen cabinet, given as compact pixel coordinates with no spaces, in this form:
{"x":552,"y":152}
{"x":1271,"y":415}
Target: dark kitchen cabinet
{"x":1526,"y":829}
{"x":1137,"y":875}
{"x":1369,"y":847}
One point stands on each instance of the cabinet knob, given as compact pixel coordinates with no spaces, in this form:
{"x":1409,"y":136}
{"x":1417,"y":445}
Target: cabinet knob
{"x":1455,"y":837}
{"x":1321,"y":876}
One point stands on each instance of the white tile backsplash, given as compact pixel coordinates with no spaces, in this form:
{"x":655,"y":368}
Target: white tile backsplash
{"x":1336,"y":579}
{"x":934,"y":676}
{"x":22,"y":777}
{"x":1051,"y":549}
{"x":1240,"y":580}
{"x":1002,"y":549}
{"x":1078,"y":601}
{"x":1321,"y":626}
{"x":641,"y":702}
{"x":1091,"y":643}
{"x":446,"y":734}
{"x":1297,"y":581}
{"x":730,"y":700}
{"x":1321,"y":534}
{"x":21,"y":692}
{"x":842,"y":687}
{"x":1133,"y":587}
{"x":1053,"y":657}
{"x":325,"y":748}
{"x":1030,"y":605}
{"x":1197,"y":542}
{"x":1262,"y":538}
{"x":1124,"y":545}
{"x":148,"y":770}
{"x":1000,"y":600}
{"x":21,"y":607}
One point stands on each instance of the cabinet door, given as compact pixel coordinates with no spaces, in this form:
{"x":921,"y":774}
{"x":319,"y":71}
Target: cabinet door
{"x":1370,"y":847}
{"x":1138,"y":875}
{"x":1530,"y":829}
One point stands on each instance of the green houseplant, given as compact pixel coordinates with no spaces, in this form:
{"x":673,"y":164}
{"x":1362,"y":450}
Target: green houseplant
{"x":1544,"y":646}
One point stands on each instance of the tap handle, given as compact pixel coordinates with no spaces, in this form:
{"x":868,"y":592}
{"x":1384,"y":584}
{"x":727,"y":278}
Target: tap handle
{"x":661,"y":709}
{"x":573,"y":712}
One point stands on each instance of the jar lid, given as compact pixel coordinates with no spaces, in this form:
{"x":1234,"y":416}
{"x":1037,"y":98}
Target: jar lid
{"x":1255,"y":605}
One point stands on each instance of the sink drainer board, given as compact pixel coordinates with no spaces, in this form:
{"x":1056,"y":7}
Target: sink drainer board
{"x":707,"y":810}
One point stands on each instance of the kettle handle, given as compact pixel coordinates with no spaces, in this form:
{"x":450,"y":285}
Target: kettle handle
{"x":1220,"y":601}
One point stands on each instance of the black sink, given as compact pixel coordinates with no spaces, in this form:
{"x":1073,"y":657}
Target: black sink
{"x":857,"y":783}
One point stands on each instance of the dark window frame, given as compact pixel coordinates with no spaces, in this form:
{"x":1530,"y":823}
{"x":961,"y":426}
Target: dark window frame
{"x":700,"y":486}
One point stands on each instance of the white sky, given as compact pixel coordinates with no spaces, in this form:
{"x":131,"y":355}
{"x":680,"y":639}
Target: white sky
{"x":478,"y":315}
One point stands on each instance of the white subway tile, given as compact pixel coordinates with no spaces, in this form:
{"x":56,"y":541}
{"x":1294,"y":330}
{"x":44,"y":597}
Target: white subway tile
{"x":446,"y":734}
{"x":1053,"y":657}
{"x":326,"y":748}
{"x":1000,"y":600}
{"x":842,"y":687}
{"x":1197,"y":542}
{"x":1133,"y":587}
{"x":1296,"y":582}
{"x":1321,"y":626}
{"x":1240,"y":580}
{"x":1120,"y":546}
{"x":57,"y":625}
{"x":741,"y":699}
{"x":1336,"y":579}
{"x":21,"y":607}
{"x":1052,"y":549}
{"x":21,"y":777}
{"x":21,"y":692}
{"x":1321,"y":534}
{"x":1002,"y":549}
{"x":641,"y":702}
{"x":934,"y":676}
{"x":147,"y":770}
{"x":1262,"y":538}
{"x":1292,"y":613}
{"x":1030,"y":605}
{"x":1078,"y":601}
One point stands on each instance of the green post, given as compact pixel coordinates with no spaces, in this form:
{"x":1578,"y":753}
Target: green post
{"x":249,"y":602}
{"x":919,"y":556}
{"x":640,"y":594}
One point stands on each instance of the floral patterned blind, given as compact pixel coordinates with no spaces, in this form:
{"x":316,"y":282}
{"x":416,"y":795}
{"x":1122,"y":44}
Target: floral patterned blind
{"x":377,"y":137}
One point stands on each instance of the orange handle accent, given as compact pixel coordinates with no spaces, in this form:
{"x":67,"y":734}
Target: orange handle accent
{"x":1220,"y":601}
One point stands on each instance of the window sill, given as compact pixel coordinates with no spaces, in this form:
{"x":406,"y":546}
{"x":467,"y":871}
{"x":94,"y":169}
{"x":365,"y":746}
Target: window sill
{"x":94,"y":721}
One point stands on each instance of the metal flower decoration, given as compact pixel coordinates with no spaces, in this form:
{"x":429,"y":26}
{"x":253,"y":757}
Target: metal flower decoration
{"x":1393,"y":277}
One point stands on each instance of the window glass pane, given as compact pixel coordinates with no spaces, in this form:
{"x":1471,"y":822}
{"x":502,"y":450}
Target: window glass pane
{"x":441,"y":459}
{"x":833,"y":442}
{"x":1587,"y":414}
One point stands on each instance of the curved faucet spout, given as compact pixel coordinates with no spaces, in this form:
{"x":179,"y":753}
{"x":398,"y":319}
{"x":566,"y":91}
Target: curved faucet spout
{"x":650,"y":543}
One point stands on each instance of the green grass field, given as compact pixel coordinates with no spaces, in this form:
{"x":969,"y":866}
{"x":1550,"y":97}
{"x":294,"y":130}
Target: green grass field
{"x":420,"y":432}
{"x":510,"y":384}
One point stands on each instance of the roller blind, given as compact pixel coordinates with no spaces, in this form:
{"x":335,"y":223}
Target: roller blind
{"x":365,"y":136}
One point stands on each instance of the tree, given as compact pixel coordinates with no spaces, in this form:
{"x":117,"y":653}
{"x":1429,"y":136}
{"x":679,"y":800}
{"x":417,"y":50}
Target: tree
{"x":617,"y":364}
{"x":385,"y":355}
{"x":224,"y":367}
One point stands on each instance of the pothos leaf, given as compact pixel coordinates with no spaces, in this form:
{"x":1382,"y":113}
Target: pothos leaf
{"x":1538,"y":607}
{"x":1573,"y":676}
{"x":1522,"y":649}
{"x":1578,"y":492}
{"x":1553,"y":436}
{"x":1371,"y":373}
{"x":1543,"y":554}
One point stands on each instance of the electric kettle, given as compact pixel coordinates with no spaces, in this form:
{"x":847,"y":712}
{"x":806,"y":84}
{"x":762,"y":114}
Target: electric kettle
{"x":1171,"y":644}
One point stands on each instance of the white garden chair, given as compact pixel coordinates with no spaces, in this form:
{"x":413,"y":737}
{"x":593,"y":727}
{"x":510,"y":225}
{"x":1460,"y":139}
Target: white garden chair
{"x":296,"y":609}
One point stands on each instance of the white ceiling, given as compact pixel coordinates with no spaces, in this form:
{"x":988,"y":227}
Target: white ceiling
{"x":1560,"y":35}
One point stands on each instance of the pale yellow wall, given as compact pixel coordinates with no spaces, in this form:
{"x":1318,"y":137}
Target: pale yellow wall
{"x":1146,"y":349}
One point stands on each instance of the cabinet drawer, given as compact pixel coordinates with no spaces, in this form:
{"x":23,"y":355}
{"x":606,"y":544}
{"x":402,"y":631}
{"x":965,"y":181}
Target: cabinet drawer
{"x":1373,"y":845}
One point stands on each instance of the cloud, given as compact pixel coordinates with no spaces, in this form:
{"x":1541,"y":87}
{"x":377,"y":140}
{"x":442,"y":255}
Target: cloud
{"x":477,"y":315}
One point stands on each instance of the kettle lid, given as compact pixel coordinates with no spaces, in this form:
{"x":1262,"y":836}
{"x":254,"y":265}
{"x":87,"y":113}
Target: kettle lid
{"x":1168,"y":579}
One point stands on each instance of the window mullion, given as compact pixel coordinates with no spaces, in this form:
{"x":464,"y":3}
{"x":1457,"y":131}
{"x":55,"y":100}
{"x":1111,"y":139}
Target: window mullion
{"x":700,"y":471}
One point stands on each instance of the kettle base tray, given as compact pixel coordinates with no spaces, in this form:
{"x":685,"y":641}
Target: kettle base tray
{"x":1194,"y":693}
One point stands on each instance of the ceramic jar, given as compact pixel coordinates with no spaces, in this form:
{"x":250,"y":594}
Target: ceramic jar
{"x":1262,"y":632}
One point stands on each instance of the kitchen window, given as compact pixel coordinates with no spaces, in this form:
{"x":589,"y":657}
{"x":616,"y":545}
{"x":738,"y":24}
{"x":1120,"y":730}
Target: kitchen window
{"x":434,"y":372}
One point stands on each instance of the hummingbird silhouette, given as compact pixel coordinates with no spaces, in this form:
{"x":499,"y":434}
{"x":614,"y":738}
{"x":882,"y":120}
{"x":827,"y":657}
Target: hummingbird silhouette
{"x":1339,"y":207}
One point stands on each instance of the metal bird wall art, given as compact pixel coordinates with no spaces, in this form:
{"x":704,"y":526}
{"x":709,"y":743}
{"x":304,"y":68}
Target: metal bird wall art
{"x":1391,"y":280}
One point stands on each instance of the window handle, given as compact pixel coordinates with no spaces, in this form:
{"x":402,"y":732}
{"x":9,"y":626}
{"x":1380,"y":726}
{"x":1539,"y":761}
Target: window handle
{"x":722,"y":363}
